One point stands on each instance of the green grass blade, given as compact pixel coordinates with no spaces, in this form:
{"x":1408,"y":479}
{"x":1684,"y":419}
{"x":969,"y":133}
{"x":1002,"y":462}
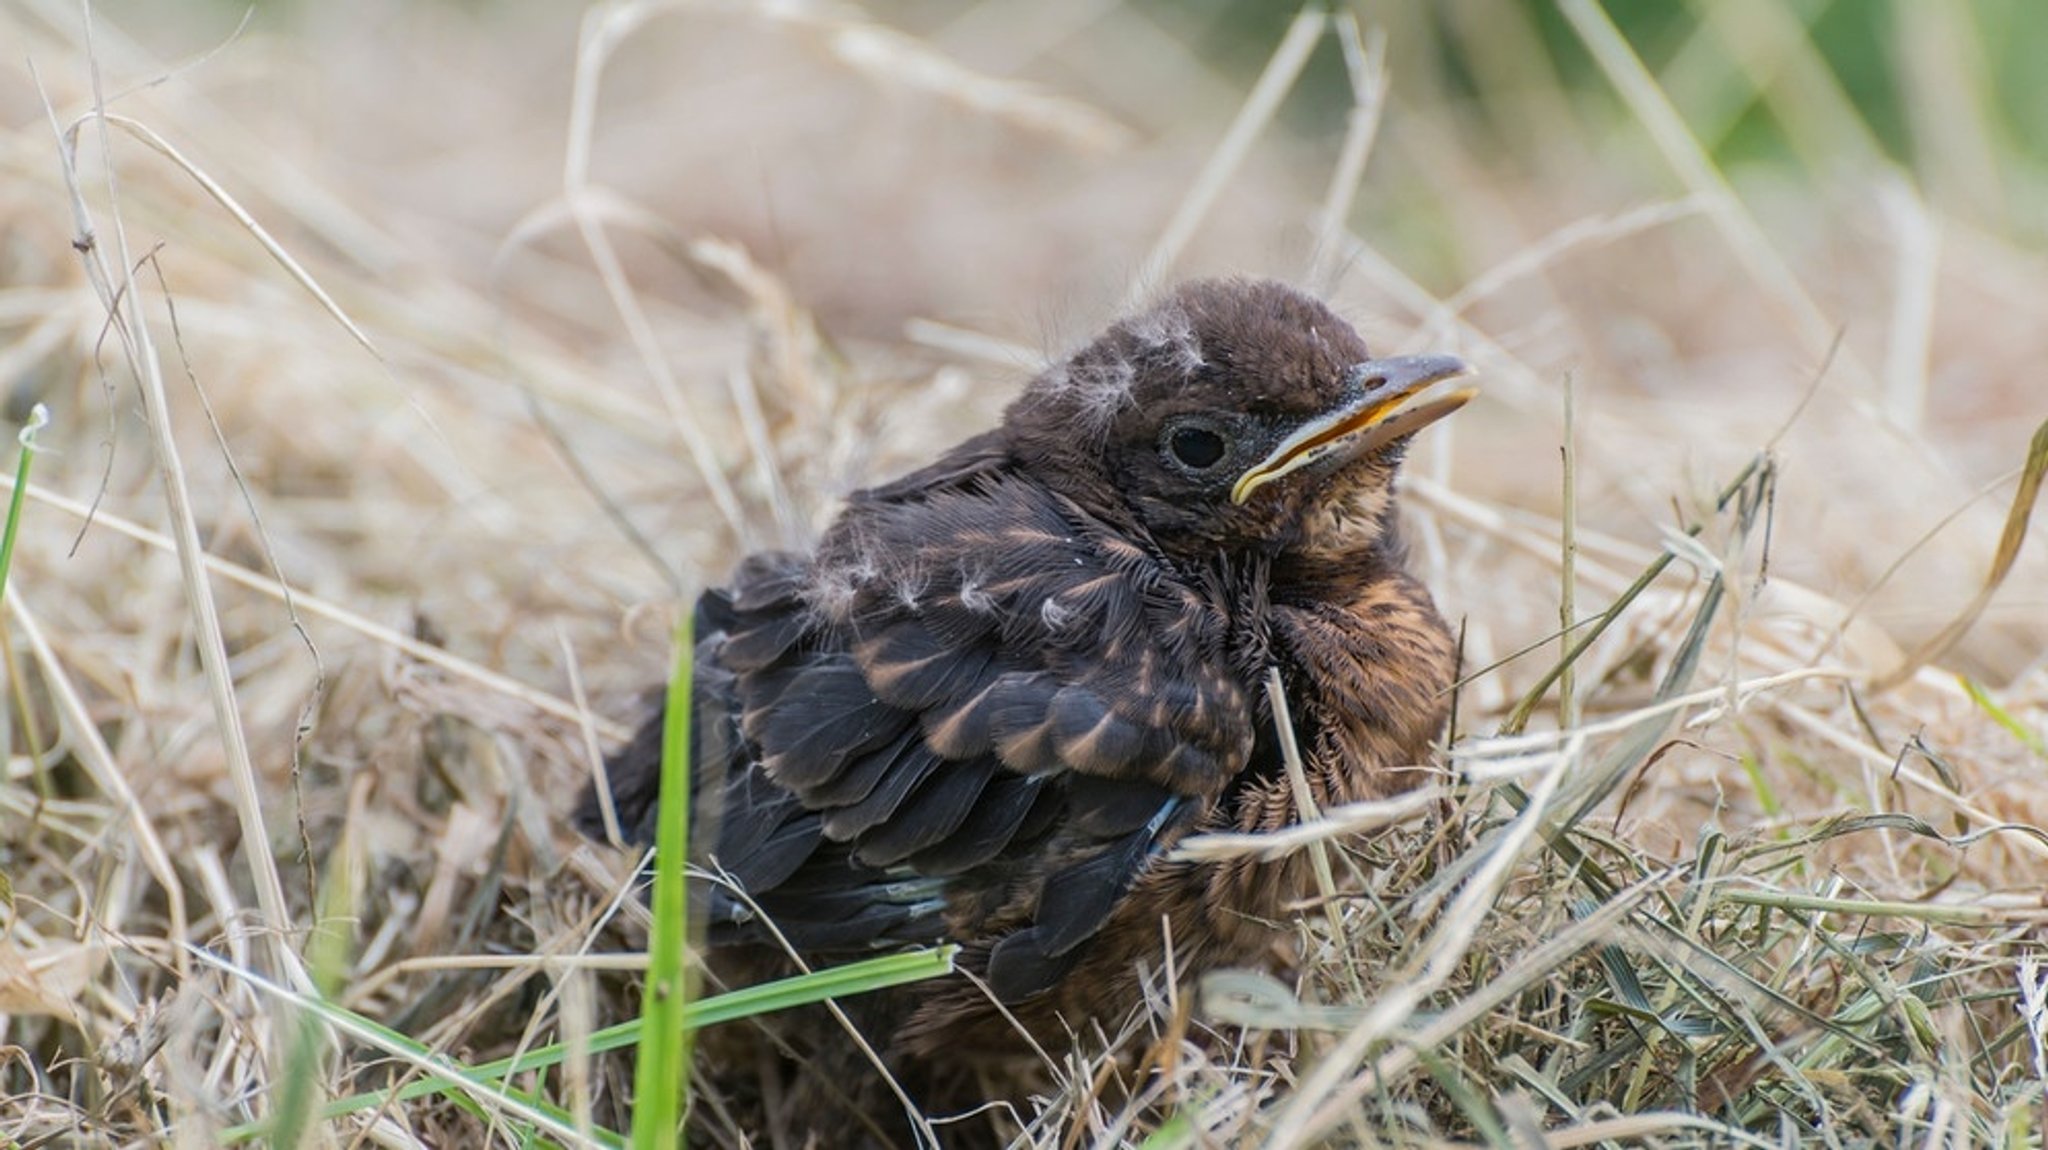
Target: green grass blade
{"x":784,"y":994}
{"x":356,"y":1028}
{"x":837,"y":982}
{"x":1176,"y":1132}
{"x":39,"y":418}
{"x":2028,"y":737}
{"x":1518,"y":719}
{"x":327,"y":954}
{"x":661,"y":1076}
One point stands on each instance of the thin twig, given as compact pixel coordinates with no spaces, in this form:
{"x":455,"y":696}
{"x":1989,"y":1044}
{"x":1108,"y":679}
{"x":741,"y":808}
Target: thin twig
{"x":370,"y":629}
{"x":119,"y":294}
{"x":1272,"y":87}
{"x":1365,"y":64}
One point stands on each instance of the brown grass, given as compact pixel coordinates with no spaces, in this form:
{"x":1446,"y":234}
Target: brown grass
{"x":601,"y":314}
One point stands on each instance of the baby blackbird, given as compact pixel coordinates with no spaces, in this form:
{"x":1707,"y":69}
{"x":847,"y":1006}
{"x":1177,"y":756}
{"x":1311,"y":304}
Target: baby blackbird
{"x":1006,"y":684}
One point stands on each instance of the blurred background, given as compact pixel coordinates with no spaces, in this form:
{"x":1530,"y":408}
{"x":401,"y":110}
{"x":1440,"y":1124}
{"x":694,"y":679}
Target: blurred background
{"x":957,"y":192}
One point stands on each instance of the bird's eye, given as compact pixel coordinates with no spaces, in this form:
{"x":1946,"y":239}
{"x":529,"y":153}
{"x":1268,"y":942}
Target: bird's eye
{"x":1195,"y":447}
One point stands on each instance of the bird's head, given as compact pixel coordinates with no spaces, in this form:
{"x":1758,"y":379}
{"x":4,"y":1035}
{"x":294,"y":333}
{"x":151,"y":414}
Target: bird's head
{"x":1234,"y":415}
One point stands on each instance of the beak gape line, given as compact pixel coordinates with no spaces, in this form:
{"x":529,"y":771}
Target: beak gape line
{"x":1367,"y":422}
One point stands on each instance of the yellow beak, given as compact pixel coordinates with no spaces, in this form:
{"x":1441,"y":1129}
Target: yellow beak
{"x":1367,"y":421}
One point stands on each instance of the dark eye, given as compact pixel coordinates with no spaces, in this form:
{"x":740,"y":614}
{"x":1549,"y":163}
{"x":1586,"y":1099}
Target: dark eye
{"x":1196,"y":448}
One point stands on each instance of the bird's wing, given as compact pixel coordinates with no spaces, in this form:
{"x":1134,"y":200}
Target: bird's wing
{"x":1011,"y":623}
{"x":974,"y":664}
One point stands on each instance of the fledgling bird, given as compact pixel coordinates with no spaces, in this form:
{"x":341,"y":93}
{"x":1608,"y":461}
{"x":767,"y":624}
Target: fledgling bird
{"x":1006,"y":684}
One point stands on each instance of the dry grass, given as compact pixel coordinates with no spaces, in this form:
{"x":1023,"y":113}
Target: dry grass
{"x":597,"y":319}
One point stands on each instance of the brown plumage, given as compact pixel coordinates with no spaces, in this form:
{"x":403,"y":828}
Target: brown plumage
{"x":1006,"y":684}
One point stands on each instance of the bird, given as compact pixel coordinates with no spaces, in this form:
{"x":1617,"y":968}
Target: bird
{"x":1002,"y":687}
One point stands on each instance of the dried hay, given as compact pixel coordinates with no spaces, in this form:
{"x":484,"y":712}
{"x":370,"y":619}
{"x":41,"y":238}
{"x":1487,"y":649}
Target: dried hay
{"x":462,"y":408}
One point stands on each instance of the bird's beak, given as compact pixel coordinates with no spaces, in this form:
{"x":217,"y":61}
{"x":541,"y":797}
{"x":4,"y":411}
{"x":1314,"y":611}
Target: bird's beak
{"x":1370,"y":418}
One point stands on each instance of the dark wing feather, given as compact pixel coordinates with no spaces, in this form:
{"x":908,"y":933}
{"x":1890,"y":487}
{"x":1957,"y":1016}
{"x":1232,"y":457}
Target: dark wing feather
{"x":812,"y":719}
{"x":763,"y":833}
{"x":833,"y":903}
{"x":969,"y":462}
{"x":909,"y":667}
{"x":762,"y":616}
{"x":862,"y":776}
{"x":1075,"y":903}
{"x":1112,"y":808}
{"x":762,"y":642}
{"x":1078,"y":900}
{"x":971,"y":667}
{"x":989,"y":828}
{"x":1019,"y":966}
{"x":937,"y":809}
{"x":1012,"y":621}
{"x":912,"y":766}
{"x":633,"y":772}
